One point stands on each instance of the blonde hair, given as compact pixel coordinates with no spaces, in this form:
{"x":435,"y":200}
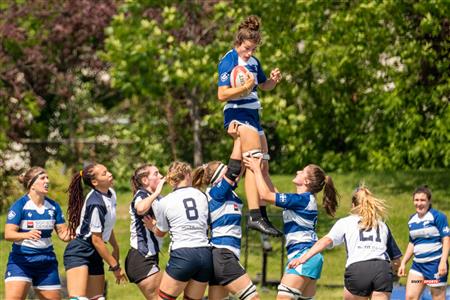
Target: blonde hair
{"x":202,"y":175}
{"x":177,"y":172}
{"x":368,"y":207}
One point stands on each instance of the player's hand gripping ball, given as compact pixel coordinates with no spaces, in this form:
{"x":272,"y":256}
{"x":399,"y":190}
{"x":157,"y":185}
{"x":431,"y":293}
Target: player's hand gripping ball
{"x":239,"y":75}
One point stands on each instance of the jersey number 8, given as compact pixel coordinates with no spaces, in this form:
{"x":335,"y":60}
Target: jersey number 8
{"x":191,"y":209}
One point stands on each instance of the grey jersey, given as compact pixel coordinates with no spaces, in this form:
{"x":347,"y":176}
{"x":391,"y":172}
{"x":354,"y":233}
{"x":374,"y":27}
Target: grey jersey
{"x":184,"y":213}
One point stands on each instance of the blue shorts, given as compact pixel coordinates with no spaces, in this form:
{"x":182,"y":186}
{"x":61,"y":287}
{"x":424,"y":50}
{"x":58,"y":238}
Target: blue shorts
{"x":428,"y":271}
{"x":42,"y":274}
{"x":190,"y":263}
{"x":244,"y":116}
{"x":312,"y":268}
{"x":82,"y":253}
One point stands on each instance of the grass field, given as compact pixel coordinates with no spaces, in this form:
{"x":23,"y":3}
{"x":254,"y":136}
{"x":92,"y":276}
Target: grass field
{"x":394,"y":187}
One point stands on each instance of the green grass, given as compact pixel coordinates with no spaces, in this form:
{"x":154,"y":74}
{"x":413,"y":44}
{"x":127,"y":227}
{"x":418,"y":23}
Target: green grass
{"x":394,"y":187}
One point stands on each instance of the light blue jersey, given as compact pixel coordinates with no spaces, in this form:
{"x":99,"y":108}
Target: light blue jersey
{"x":426,"y":234}
{"x":226,"y":213}
{"x":300,"y":219}
{"x":25,"y":214}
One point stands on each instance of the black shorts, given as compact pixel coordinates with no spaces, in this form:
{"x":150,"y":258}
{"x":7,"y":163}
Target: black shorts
{"x":226,"y":267}
{"x":82,"y":253}
{"x":364,"y":277}
{"x":190,"y":263}
{"x":138,"y":267}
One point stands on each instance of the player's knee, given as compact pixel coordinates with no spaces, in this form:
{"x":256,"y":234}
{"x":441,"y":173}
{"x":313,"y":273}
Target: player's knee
{"x":247,"y":293}
{"x":166,"y":296}
{"x":286,"y":291}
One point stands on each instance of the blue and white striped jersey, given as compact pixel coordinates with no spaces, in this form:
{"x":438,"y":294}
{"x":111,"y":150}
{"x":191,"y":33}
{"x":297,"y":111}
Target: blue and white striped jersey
{"x":225,"y":209}
{"x":300,"y":219}
{"x":98,"y":214}
{"x":141,"y":238}
{"x":184,"y":214}
{"x":364,"y":244}
{"x":227,"y":64}
{"x":25,"y":214}
{"x":426,"y":234}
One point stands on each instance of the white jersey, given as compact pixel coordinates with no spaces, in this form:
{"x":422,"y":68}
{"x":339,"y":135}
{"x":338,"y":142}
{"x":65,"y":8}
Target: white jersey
{"x":184,"y":213}
{"x":363,"y":245}
{"x":98,"y":214}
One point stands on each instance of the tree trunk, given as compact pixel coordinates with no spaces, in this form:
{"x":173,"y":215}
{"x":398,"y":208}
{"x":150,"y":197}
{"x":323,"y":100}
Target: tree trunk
{"x":194,"y":113}
{"x":168,"y":108}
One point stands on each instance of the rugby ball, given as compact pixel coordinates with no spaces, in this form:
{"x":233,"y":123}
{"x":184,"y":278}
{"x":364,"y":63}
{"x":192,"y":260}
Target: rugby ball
{"x":238,"y":76}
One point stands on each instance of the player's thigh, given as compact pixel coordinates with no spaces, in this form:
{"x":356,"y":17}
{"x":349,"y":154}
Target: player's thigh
{"x":296,"y":281}
{"x":310,"y":289}
{"x":171,"y":286}
{"x":263,"y":142}
{"x":217,"y":292}
{"x":414,"y":286}
{"x":240,"y":283}
{"x":96,"y":285}
{"x":250,"y":139}
{"x":48,"y":294}
{"x":380,"y":295}
{"x":149,"y":286}
{"x":195,"y":289}
{"x":77,"y":281}
{"x":350,"y":296}
{"x":438,"y":293}
{"x":15,"y":290}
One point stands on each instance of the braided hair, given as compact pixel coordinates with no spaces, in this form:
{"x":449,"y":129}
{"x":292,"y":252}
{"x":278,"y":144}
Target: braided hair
{"x":76,"y":197}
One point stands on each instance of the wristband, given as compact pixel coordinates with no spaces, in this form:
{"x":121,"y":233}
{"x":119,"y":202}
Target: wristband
{"x":115,"y":268}
{"x":234,"y":169}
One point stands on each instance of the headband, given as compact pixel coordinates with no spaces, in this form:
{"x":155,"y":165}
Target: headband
{"x":217,"y":173}
{"x":34,"y":179}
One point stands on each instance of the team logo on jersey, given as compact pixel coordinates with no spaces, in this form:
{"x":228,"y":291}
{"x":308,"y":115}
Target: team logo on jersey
{"x":51,"y":213}
{"x":282,"y":198}
{"x":11,"y":215}
{"x":30,"y":224}
{"x":224,"y":76}
{"x":30,"y":214}
{"x":236,"y":207}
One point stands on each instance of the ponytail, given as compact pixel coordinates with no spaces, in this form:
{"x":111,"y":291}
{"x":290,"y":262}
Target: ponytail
{"x":203,"y":175}
{"x":319,"y":181}
{"x":368,"y":207}
{"x":76,"y":197}
{"x":330,"y":195}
